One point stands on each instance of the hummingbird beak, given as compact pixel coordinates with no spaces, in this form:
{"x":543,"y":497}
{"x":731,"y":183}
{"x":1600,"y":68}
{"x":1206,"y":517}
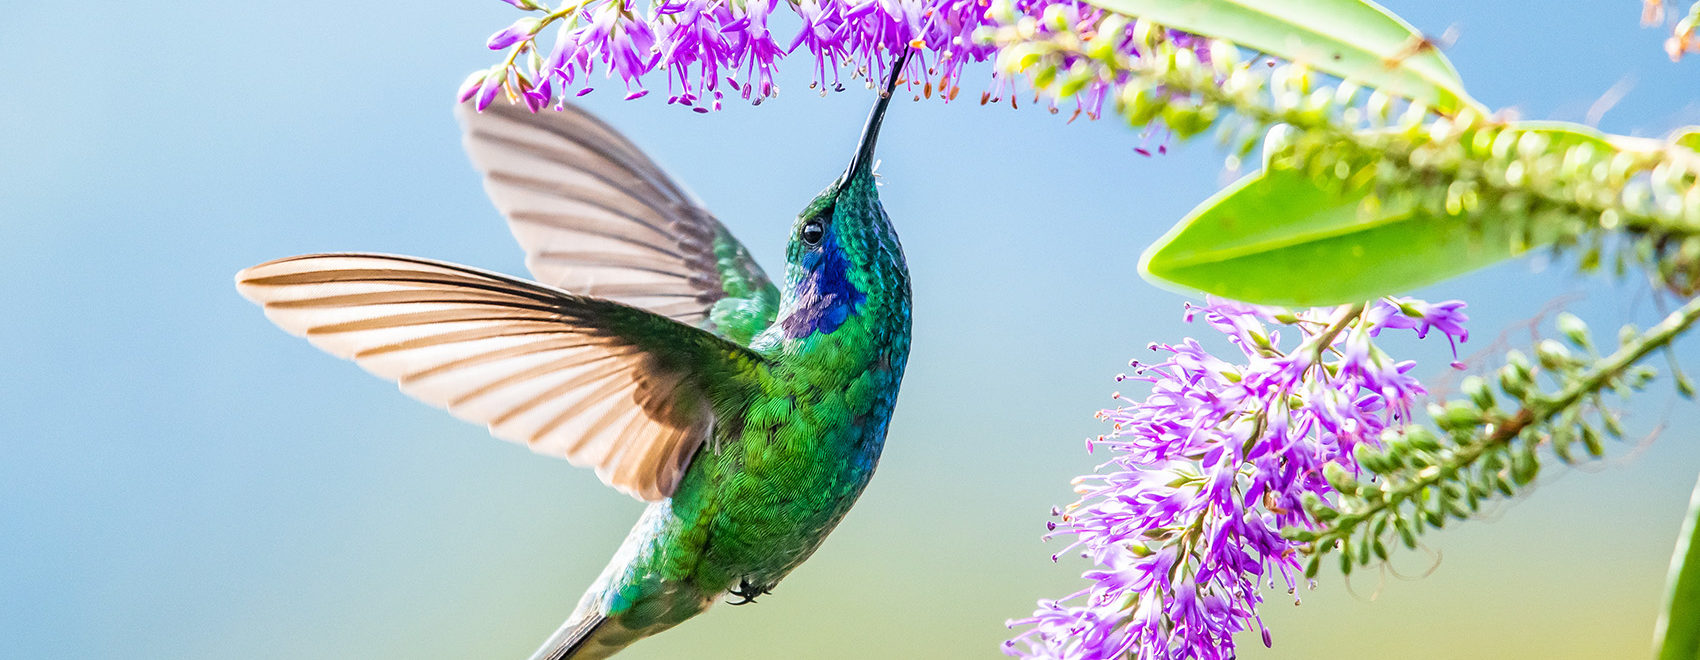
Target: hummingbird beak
{"x":862,"y":164}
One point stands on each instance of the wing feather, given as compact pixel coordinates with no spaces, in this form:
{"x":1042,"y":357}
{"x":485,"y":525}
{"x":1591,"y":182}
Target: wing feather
{"x":597,"y":217}
{"x":599,"y":383}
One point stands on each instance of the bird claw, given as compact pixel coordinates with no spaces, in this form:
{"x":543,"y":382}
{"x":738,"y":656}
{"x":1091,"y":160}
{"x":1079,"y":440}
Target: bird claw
{"x":748,"y":592}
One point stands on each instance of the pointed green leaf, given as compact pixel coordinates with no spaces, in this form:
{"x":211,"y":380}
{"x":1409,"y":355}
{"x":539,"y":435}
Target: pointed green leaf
{"x":1278,"y":238}
{"x":1677,"y":636}
{"x":1353,"y":39}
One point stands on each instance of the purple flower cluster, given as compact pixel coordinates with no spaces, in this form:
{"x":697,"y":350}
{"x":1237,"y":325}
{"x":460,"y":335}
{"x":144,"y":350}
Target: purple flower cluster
{"x":1184,"y":522}
{"x":706,"y":49}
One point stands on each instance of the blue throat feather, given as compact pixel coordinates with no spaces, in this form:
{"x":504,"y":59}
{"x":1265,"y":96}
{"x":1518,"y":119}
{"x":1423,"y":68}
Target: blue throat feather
{"x":825,"y":295}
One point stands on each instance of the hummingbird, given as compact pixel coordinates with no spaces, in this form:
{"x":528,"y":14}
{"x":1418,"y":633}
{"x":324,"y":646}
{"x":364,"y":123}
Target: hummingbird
{"x":651,"y":347}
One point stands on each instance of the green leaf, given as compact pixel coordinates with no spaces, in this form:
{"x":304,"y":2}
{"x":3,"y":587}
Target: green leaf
{"x":1276,"y":238}
{"x":1677,"y":636}
{"x":1353,"y":39}
{"x":1279,"y":238}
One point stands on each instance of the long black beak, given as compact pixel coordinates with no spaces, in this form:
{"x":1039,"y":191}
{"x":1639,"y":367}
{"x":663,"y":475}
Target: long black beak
{"x":862,"y":164}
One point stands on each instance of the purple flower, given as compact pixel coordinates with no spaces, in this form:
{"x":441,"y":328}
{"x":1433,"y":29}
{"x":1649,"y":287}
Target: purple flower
{"x":697,"y":46}
{"x":1447,"y":317}
{"x":521,"y":30}
{"x":1184,"y":522}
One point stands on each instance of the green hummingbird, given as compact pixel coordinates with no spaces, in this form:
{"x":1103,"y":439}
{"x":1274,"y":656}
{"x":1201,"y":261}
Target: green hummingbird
{"x":651,"y":348}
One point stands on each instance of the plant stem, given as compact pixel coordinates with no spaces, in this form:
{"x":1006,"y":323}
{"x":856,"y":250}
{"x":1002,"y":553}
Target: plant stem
{"x":1506,"y":428}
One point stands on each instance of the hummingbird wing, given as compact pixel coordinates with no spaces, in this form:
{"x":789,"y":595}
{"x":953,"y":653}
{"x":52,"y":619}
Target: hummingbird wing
{"x":597,"y":217}
{"x":600,"y":383}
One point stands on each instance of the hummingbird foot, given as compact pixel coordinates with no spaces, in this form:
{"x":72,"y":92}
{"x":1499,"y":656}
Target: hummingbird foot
{"x":748,"y":592}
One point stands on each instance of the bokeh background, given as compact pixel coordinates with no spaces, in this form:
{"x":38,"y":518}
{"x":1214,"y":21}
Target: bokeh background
{"x":179,"y":479}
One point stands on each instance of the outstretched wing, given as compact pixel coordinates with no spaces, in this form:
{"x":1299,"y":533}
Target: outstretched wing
{"x":597,"y":217}
{"x":599,"y":383}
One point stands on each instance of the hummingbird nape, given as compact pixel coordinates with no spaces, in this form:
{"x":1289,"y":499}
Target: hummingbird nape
{"x":651,"y":347}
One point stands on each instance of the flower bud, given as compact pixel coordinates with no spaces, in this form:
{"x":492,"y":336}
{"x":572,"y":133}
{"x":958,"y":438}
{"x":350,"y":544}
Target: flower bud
{"x":1420,"y":437}
{"x":1459,"y":415}
{"x":1628,"y":333}
{"x":1591,"y":440}
{"x":1188,"y":120}
{"x":1370,"y":459}
{"x":1552,"y":355}
{"x":1140,"y":104}
{"x":470,"y":86}
{"x":1477,"y":389}
{"x":1339,"y":479}
{"x":1515,"y":382}
{"x":1146,"y":34}
{"x":1406,"y":534}
{"x":521,"y":30}
{"x":1524,"y":465}
{"x":1561,"y":438}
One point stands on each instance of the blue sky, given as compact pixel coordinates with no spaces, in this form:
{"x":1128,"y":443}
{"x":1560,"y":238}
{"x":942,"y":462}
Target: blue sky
{"x":179,"y":479}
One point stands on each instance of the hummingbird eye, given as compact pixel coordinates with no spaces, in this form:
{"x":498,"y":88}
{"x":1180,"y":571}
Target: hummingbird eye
{"x":812,"y":232}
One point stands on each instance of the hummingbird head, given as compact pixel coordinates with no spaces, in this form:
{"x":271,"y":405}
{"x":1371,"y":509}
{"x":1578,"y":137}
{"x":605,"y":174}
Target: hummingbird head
{"x":844,"y":256}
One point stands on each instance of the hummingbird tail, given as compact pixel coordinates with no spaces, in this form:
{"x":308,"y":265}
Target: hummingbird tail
{"x":593,"y":634}
{"x":572,"y":638}
{"x":630,"y":601}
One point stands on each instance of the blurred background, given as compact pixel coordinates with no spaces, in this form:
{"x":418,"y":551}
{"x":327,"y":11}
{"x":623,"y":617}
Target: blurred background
{"x":180,"y":479}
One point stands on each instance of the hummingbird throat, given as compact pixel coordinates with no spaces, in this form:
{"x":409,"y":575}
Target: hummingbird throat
{"x":825,"y":296}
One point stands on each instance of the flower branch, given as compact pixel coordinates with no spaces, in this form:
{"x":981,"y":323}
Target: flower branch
{"x":1549,"y":183}
{"x":1490,"y":450}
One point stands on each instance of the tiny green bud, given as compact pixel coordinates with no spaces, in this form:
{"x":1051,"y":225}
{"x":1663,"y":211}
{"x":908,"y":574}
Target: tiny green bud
{"x":1146,"y":33}
{"x":1640,"y":375}
{"x":1140,"y":104}
{"x":1339,"y":479}
{"x":1459,"y":415}
{"x":1406,"y":534}
{"x":1188,"y":120}
{"x":1524,"y":465}
{"x":1514,"y":381}
{"x":1574,"y":330}
{"x":1610,"y":421}
{"x":1561,"y":438}
{"x":1422,"y":438}
{"x":1684,"y":386}
{"x":1477,"y":389}
{"x":1552,"y":354}
{"x":1627,"y":333}
{"x":1502,"y":484}
{"x":1370,"y":459}
{"x":1079,"y":75}
{"x":1046,"y":75}
{"x":1591,"y":439}
{"x":1518,"y":360}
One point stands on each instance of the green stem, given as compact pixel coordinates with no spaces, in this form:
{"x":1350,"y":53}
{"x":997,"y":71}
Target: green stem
{"x":1506,"y":428}
{"x":1399,"y":147}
